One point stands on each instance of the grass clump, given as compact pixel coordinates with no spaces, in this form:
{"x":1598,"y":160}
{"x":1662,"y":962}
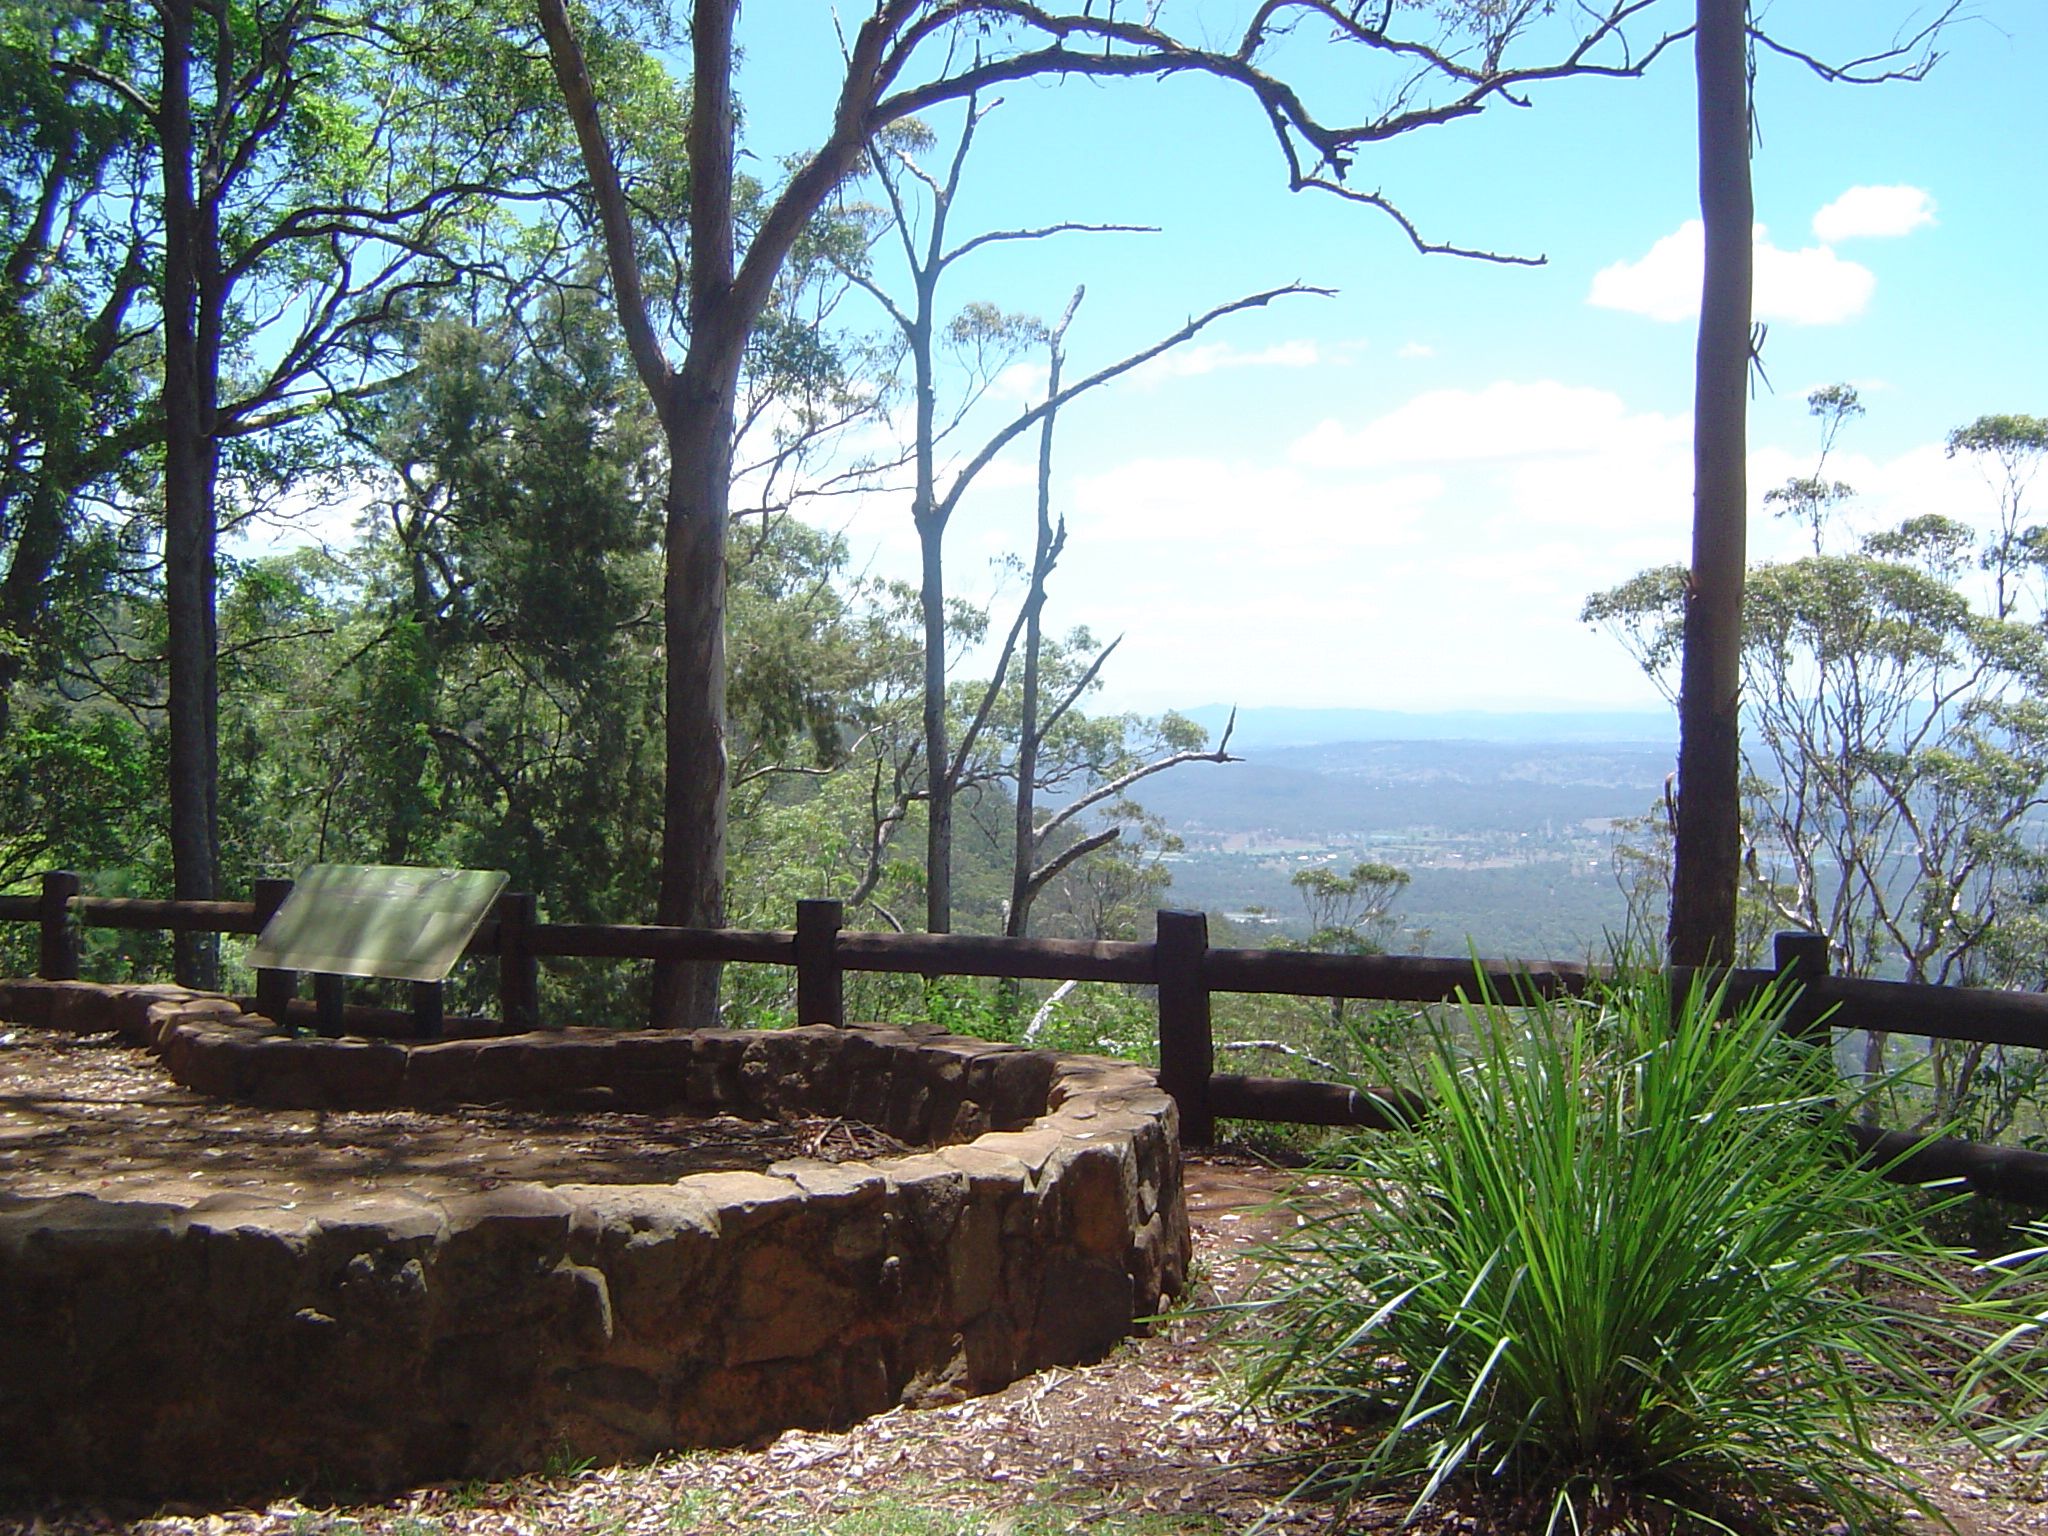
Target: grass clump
{"x":1624,"y":1277}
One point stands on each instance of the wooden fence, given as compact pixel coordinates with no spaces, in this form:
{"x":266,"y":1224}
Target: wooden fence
{"x":1179,"y":963}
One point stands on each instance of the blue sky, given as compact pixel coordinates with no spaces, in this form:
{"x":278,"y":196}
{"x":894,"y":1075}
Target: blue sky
{"x":1399,"y":497}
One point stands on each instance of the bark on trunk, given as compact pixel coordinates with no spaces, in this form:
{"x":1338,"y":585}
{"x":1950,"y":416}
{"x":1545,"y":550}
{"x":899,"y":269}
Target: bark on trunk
{"x":1025,"y":849}
{"x":24,"y":593}
{"x":931,"y":537}
{"x":191,"y":462}
{"x":693,"y":827}
{"x":1707,"y":855}
{"x":938,"y":846}
{"x":697,"y":419}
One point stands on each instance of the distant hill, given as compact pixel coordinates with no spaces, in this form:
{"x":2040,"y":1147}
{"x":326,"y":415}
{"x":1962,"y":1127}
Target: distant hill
{"x":1261,"y":727}
{"x":1509,"y":838}
{"x":1347,"y":790}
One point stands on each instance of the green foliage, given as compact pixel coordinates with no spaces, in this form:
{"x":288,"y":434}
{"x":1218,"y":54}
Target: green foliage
{"x":73,"y":787}
{"x":2007,"y":1382}
{"x":1350,"y":914}
{"x":1895,"y":739}
{"x":478,"y":685}
{"x":1621,"y":1274}
{"x":77,"y":356}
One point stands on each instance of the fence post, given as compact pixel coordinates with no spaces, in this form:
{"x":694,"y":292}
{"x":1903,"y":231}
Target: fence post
{"x":274,"y":988}
{"x":330,"y":1004}
{"x":518,"y":965}
{"x":820,"y":983}
{"x":59,"y":958}
{"x":1801,"y":959}
{"x":1187,"y":1052}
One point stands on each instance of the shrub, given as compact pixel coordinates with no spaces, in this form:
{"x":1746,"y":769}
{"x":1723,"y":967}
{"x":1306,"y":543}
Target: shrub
{"x":2006,"y":1384}
{"x":1624,"y":1277}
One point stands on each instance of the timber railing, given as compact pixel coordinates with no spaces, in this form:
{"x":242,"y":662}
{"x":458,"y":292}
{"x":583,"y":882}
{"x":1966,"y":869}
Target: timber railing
{"x":1179,"y":963}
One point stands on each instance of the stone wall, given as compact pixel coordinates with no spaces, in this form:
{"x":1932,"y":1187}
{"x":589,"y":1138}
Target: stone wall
{"x":234,"y":1345}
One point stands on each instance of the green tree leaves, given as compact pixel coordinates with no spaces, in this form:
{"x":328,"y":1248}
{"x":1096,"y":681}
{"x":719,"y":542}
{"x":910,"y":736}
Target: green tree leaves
{"x":1895,"y":733}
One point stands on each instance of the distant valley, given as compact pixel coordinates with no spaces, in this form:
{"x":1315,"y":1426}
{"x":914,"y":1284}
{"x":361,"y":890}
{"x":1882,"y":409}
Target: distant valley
{"x":1508,"y":836}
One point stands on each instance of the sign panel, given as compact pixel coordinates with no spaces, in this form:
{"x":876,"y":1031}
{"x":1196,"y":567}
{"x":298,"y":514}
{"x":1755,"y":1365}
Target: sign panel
{"x":377,"y":920}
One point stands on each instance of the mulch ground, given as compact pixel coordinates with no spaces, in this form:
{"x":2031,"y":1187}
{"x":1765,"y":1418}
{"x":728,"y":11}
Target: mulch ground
{"x":95,"y":1115}
{"x":1149,"y":1439}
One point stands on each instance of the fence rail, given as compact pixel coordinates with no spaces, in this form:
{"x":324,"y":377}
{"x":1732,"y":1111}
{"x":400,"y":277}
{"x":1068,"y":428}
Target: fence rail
{"x":1179,"y":963}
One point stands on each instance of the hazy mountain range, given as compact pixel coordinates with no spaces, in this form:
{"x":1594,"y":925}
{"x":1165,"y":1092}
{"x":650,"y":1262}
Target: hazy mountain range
{"x":1266,"y":726}
{"x":1505,"y":822}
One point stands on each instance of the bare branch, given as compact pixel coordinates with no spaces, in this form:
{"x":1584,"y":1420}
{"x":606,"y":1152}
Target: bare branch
{"x":1039,"y":1019}
{"x":1029,"y":418}
{"x":1117,"y":786}
{"x":1280,"y":1047}
{"x":1070,"y":856}
{"x":1427,"y":247}
{"x":968,"y":737}
{"x":1871,"y":68}
{"x":602,"y":166}
{"x":1043,"y":232}
{"x":1081,"y":686}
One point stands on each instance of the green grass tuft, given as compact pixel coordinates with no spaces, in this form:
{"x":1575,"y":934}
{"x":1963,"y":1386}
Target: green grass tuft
{"x":1624,"y":1278}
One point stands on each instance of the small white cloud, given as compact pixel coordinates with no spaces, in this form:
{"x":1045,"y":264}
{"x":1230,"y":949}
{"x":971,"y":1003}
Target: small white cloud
{"x":1416,"y":349}
{"x":1874,"y":213}
{"x":1812,"y":286}
{"x":1505,"y":420}
{"x":1665,"y":284}
{"x":1021,"y":382}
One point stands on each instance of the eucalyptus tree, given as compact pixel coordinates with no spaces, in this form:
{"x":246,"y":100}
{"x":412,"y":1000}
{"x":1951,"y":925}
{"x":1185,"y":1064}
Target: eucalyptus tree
{"x":76,"y":354}
{"x":1726,"y":39}
{"x":1095,"y":764}
{"x":1350,"y":914}
{"x":319,"y":171}
{"x":2009,"y":448}
{"x":905,"y":58}
{"x":915,"y":217}
{"x":1709,"y":698}
{"x":1896,"y":747}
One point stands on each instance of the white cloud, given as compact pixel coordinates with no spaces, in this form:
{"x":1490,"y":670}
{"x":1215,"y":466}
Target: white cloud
{"x":1020,"y":381}
{"x":1439,"y":551}
{"x":1810,"y":286}
{"x":1874,"y":213}
{"x":1264,"y":513}
{"x":1469,"y":522}
{"x":1505,"y":420}
{"x":1413,"y":349}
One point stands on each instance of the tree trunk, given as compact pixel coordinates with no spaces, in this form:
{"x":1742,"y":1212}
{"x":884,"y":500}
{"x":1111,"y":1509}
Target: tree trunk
{"x":938,"y":841}
{"x":931,"y":598}
{"x":1707,"y":855}
{"x":24,"y":591}
{"x":1018,"y":922}
{"x":405,"y":796}
{"x":696,"y":406}
{"x":191,"y":462}
{"x":699,"y":431}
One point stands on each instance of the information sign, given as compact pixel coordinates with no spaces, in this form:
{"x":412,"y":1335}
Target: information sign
{"x":377,"y":920}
